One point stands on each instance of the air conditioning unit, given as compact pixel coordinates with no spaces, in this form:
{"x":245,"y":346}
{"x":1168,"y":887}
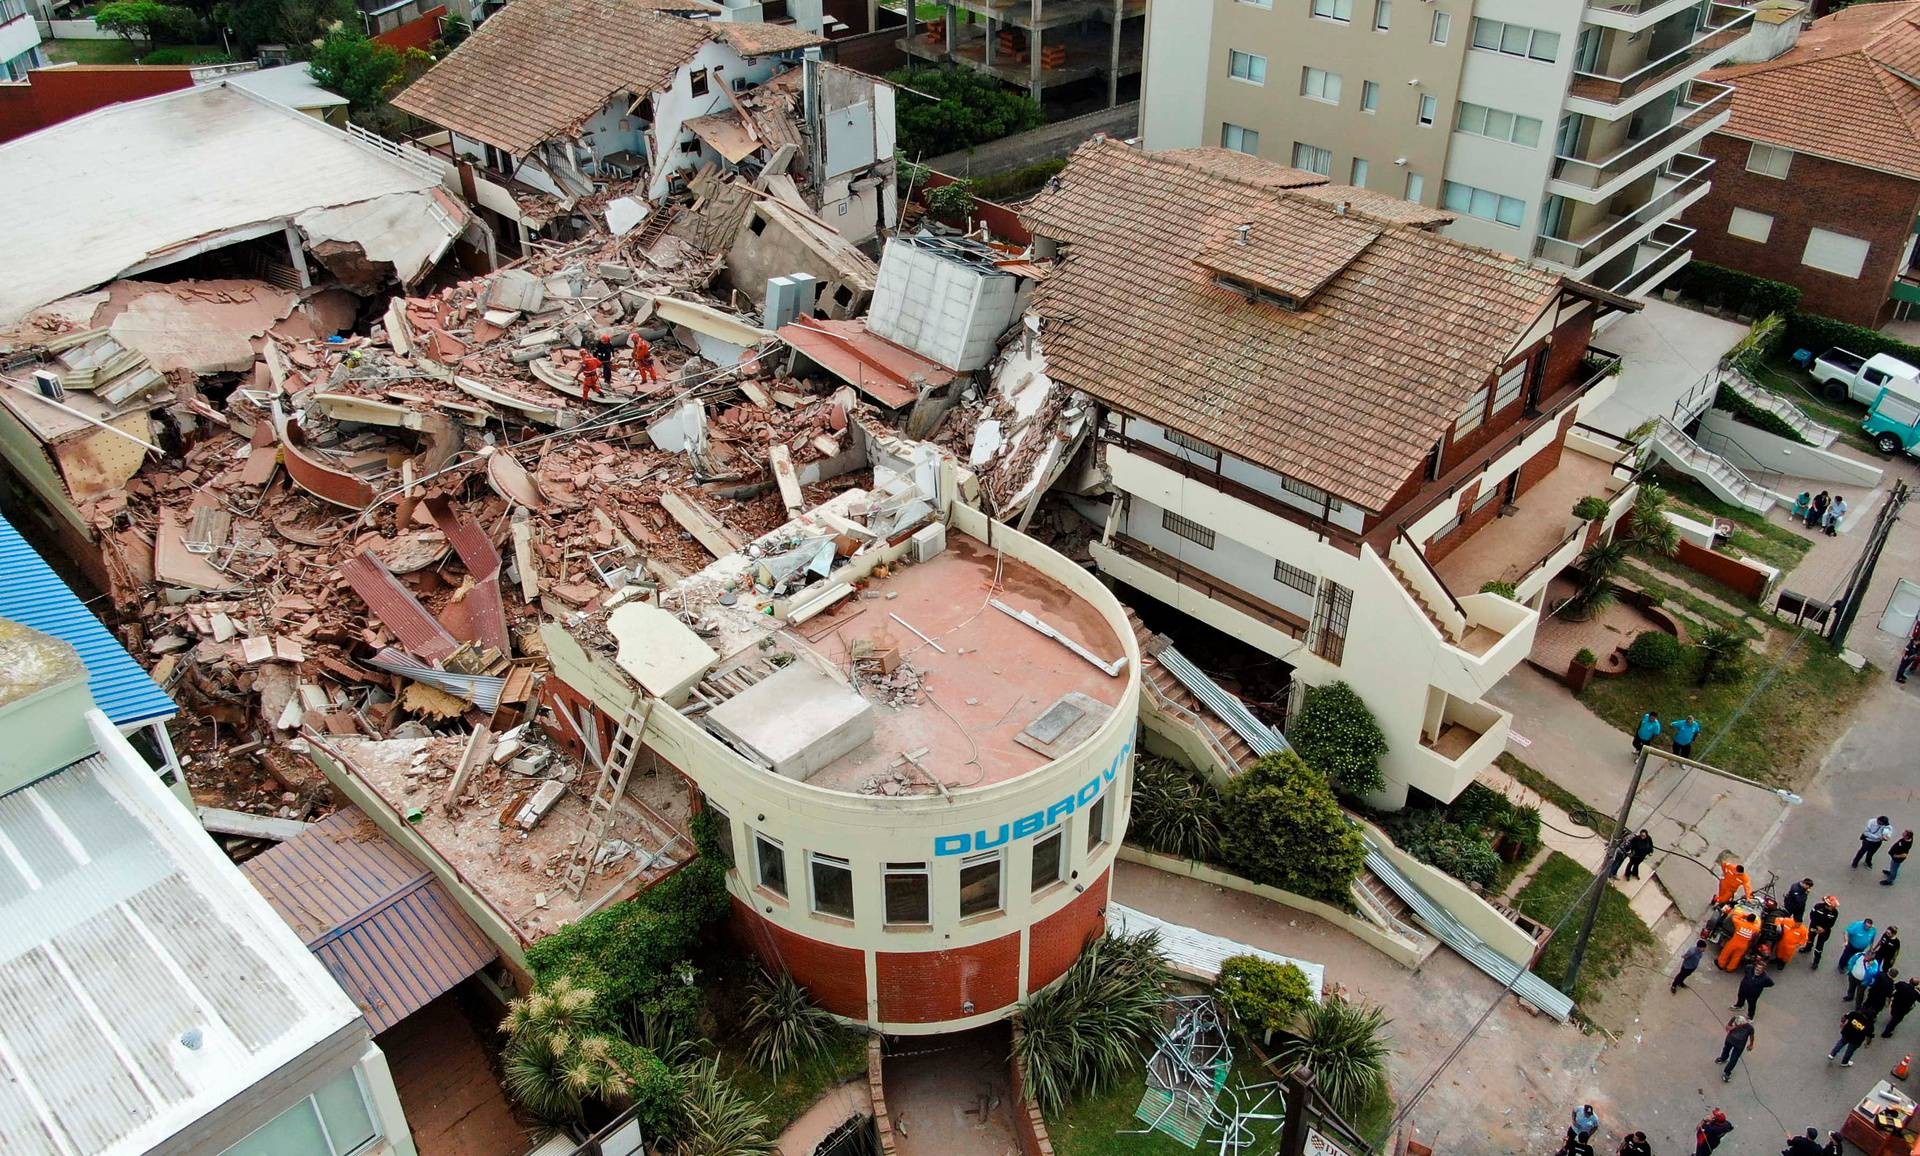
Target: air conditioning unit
{"x":48,"y":383}
{"x":741,"y":84}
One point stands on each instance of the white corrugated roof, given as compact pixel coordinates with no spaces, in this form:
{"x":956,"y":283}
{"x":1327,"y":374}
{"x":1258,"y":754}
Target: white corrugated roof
{"x":289,"y":84}
{"x":143,"y":983}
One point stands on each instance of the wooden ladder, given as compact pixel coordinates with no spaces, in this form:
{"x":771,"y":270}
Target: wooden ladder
{"x":623,"y":754}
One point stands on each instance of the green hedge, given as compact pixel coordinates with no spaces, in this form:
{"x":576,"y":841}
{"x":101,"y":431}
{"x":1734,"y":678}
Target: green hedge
{"x":1732,"y":289}
{"x":1819,"y":334}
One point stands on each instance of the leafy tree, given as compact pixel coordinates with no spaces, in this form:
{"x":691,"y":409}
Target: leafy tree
{"x":1590,"y":508}
{"x":1175,"y":810}
{"x":453,"y":33}
{"x":145,"y":20}
{"x":966,"y":109}
{"x":1337,"y":735}
{"x":951,"y":202}
{"x":1263,"y":997}
{"x":1654,"y":650}
{"x":1281,"y":825}
{"x":298,"y":24}
{"x":366,"y":72}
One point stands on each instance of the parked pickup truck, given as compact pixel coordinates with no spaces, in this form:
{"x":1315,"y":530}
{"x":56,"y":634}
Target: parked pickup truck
{"x":1894,"y":422}
{"x":1847,"y":375}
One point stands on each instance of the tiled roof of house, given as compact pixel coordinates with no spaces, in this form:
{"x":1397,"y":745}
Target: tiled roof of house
{"x":756,"y":38}
{"x":1381,"y":205}
{"x":1840,"y":93}
{"x":538,"y":67}
{"x":1348,"y":392}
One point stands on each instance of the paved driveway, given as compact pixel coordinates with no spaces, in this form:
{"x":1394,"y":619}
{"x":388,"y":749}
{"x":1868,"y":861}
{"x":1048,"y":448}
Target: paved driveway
{"x":1666,"y":351}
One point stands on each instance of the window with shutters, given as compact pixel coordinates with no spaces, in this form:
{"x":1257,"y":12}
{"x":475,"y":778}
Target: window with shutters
{"x":1191,"y":530}
{"x":1835,"y":253}
{"x":1330,"y":614}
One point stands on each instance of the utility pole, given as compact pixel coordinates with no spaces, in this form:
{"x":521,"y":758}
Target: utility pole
{"x":1296,"y":1089}
{"x":1600,"y":890}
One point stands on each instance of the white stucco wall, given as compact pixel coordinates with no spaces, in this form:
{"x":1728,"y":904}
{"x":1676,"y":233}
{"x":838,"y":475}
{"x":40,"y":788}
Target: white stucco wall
{"x":1173,"y":87}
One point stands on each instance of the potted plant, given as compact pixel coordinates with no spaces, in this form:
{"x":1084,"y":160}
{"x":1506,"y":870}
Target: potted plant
{"x":1580,"y":670}
{"x":1590,"y":508}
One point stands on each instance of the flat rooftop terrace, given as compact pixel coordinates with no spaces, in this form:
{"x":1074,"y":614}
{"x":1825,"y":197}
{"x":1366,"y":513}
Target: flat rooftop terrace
{"x":520,"y":873}
{"x":967,"y":706}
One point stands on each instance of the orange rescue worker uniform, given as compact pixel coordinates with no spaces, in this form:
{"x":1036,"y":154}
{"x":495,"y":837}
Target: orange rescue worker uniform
{"x":1734,"y":881}
{"x":1793,"y":937}
{"x":643,"y":359}
{"x":589,"y":375}
{"x":1745,"y":926}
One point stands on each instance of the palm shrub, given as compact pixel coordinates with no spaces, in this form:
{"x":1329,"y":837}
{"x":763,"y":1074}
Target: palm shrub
{"x":1652,"y":532}
{"x":785,"y":1028}
{"x":1263,"y":997}
{"x":1175,"y":810}
{"x":1337,"y":735}
{"x":562,"y":1052}
{"x":1722,"y":655}
{"x":1595,"y":592}
{"x":1280,"y":825}
{"x":1080,"y":1034}
{"x":716,"y":1118}
{"x":1343,"y":1045}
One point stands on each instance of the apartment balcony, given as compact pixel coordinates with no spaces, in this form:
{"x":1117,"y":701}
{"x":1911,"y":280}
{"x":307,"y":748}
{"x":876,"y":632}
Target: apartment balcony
{"x":1221,"y":605}
{"x":1536,"y":536}
{"x":1458,"y":741}
{"x":1485,"y":634}
{"x":1633,"y":16}
{"x":1652,"y":261}
{"x":1610,"y":96}
{"x":1702,"y":108}
{"x":1631,"y":217}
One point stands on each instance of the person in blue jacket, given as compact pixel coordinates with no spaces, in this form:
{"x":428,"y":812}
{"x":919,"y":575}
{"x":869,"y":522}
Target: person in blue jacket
{"x":1859,"y":937}
{"x":1684,"y":732}
{"x":1648,"y":731}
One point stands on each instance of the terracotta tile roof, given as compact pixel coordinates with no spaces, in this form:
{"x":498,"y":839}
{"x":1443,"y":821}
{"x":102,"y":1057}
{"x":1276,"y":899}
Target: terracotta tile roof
{"x":538,"y":67}
{"x":1348,"y":393}
{"x":1379,"y":205}
{"x":1840,"y":93}
{"x":1241,"y":166}
{"x":755,"y":38}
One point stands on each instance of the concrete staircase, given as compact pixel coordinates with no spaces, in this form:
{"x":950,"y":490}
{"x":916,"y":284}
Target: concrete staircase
{"x":1419,"y":600}
{"x":1736,"y":382}
{"x":1671,"y":444}
{"x":1174,"y":699}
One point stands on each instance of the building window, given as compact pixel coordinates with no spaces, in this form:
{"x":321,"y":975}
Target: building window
{"x":1479,"y":120}
{"x":1097,"y":823}
{"x":1240,"y":140}
{"x":722,"y":828}
{"x":1256,"y":3}
{"x":909,"y":893}
{"x":1305,"y":581}
{"x":1382,"y":15}
{"x":1429,"y":109}
{"x":1486,"y":496}
{"x":1319,"y":84}
{"x":1750,"y":225}
{"x":770,"y":861}
{"x":1187,"y":528}
{"x":1769,"y":161}
{"x":1516,"y":40}
{"x":1834,"y":252}
{"x":1488,"y":206}
{"x":1511,"y":383}
{"x":1194,"y":446}
{"x":1311,"y":493}
{"x":1341,"y":10}
{"x":1472,"y":414}
{"x":980,"y":884}
{"x":1312,"y":159}
{"x":1048,"y":853}
{"x":698,"y":82}
{"x":832,"y":885}
{"x":1330,"y":614}
{"x":1416,"y":186}
{"x":1442,"y":27}
{"x":1358,"y":178}
{"x":1369,"y":96}
{"x":337,"y":1120}
{"x":1246,"y":66}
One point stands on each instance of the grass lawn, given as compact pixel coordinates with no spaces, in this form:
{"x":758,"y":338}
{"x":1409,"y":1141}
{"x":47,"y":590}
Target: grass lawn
{"x":1552,"y":792}
{"x":796,"y":1092}
{"x":1092,"y":1125}
{"x":115,"y":51}
{"x":1663,"y":578}
{"x":1753,"y":534}
{"x":1780,"y":376}
{"x":1619,"y":937}
{"x":1784,"y":730}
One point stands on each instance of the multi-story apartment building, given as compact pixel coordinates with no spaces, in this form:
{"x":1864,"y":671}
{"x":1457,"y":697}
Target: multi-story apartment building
{"x":1557,"y":130}
{"x":1326,"y":430}
{"x":20,"y":49}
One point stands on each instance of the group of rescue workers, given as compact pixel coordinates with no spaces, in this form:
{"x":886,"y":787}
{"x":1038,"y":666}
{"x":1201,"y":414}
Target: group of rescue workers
{"x":596,"y":363}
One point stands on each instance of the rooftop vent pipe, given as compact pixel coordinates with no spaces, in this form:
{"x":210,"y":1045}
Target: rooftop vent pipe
{"x":1241,"y":232}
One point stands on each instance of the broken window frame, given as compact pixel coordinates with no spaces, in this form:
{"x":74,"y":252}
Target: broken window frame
{"x":823,"y":886}
{"x":918,"y":881}
{"x":1057,"y":836}
{"x":722,"y":830}
{"x":767,"y":849}
{"x":994,"y":862}
{"x":698,"y":83}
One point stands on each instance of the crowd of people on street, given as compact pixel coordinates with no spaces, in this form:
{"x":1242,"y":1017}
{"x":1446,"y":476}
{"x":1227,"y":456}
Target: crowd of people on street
{"x":1867,"y":959}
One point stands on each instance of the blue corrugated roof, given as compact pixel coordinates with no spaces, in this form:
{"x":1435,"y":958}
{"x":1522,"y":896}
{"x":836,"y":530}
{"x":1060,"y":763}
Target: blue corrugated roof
{"x":33,"y":595}
{"x":384,"y":927}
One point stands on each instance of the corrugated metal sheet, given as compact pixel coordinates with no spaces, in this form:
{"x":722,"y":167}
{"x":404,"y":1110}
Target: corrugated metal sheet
{"x":1262,"y":738}
{"x":33,"y":595}
{"x":482,"y":690}
{"x":396,"y":607}
{"x":1200,"y":953}
{"x":117,"y":940}
{"x":380,"y":923}
{"x":1454,"y":934}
